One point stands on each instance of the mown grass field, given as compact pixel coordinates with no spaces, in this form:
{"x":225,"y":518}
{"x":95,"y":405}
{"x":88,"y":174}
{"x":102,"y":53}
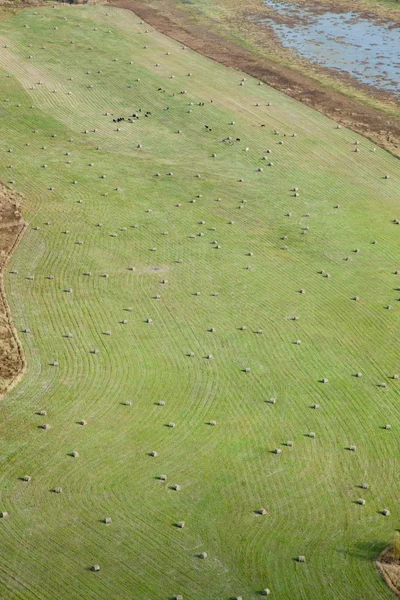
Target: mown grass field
{"x":229,"y":471}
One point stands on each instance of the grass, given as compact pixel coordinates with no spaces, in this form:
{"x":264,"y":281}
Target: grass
{"x":229,"y":471}
{"x":238,"y":23}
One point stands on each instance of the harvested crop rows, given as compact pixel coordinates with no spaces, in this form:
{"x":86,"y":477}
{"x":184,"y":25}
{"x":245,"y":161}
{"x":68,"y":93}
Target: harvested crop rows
{"x":208,"y":265}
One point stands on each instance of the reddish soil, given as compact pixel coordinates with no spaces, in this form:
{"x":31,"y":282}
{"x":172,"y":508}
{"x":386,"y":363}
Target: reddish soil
{"x":380,"y":127}
{"x":12,"y":226}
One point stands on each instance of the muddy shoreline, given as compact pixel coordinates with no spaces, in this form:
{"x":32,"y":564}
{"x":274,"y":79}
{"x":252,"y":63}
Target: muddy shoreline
{"x":299,"y":19}
{"x":378,"y":126}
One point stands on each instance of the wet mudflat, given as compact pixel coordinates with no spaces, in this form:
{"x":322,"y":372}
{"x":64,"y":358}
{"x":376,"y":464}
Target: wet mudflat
{"x":364,"y":48}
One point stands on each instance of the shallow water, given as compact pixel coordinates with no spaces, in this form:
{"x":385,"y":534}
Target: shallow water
{"x":367,"y":50}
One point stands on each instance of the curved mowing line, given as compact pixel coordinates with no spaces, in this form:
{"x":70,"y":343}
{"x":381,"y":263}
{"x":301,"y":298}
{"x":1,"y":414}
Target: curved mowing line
{"x":228,"y":471}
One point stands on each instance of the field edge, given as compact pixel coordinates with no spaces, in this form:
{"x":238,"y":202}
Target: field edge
{"x":4,"y":305}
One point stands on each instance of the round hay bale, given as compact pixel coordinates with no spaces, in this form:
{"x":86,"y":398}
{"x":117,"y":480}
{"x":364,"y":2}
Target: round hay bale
{"x":209,"y":356}
{"x":311,"y":434}
{"x":82,"y":422}
{"x":42,"y":413}
{"x":4,"y":514}
{"x":325,"y":380}
{"x":171,"y":424}
{"x":386,"y":512}
{"x":74,"y":454}
{"x":265,"y":592}
{"x":95,"y":568}
{"x":301,"y":558}
{"x":316,"y":406}
{"x":45,"y":426}
{"x":161,"y":403}
{"x":395,"y":376}
{"x":212,"y":422}
{"x":178,"y":597}
{"x":271,"y":401}
{"x":180,"y":524}
{"x":149,"y":320}
{"x":358,"y":374}
{"x":361,"y":501}
{"x":57,"y":490}
{"x":176,"y":487}
{"x":365,"y":486}
{"x":203,"y":555}
{"x":107,"y":520}
{"x":27,"y":478}
{"x":388,"y":427}
{"x":289,"y":443}
{"x":163,"y":478}
{"x":247,"y":370}
{"x":352,"y":448}
{"x":278,"y":451}
{"x":127,"y":403}
{"x":154,"y":453}
{"x":262,"y":511}
{"x":95,"y":351}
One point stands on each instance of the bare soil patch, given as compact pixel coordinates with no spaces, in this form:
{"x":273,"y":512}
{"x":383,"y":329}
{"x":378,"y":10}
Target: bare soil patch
{"x":12,"y":226}
{"x":389,"y":568}
{"x":381,"y":127}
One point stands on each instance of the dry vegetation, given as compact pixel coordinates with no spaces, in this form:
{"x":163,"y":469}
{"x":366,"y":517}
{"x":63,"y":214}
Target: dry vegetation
{"x":229,"y":33}
{"x":204,"y":318}
{"x":11,"y":229}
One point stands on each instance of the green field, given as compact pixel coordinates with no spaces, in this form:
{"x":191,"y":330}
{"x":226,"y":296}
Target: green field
{"x":226,"y":472}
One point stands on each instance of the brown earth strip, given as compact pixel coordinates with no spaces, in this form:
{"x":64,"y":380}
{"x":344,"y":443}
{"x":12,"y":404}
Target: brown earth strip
{"x":389,"y":568}
{"x":12,"y":227}
{"x":379,"y":126}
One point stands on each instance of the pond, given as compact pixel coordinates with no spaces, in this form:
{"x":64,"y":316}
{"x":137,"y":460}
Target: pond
{"x":368,"y":50}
